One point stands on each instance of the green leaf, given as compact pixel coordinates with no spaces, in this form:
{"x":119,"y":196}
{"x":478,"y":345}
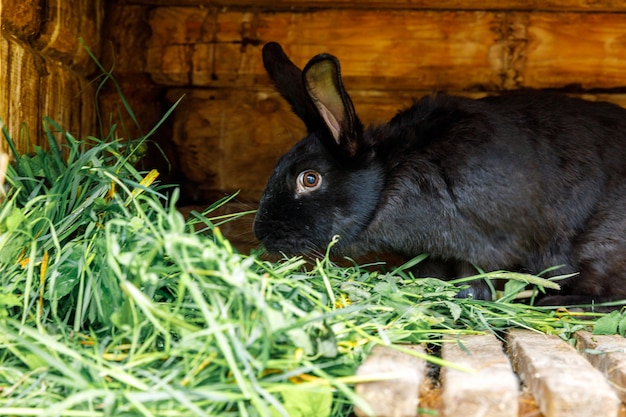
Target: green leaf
{"x":608,"y":324}
{"x":455,"y":309}
{"x":122,"y":318}
{"x":355,"y":291}
{"x":67,"y":273}
{"x":37,"y":162}
{"x":9,"y":300}
{"x":621,"y":327}
{"x":33,"y":361}
{"x":14,"y":220}
{"x":511,"y":289}
{"x":301,"y":339}
{"x":306,"y":401}
{"x":327,"y":343}
{"x":384,"y":289}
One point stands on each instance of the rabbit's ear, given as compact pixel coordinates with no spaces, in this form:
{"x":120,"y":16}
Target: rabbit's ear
{"x":288,"y":80}
{"x":322,"y":78}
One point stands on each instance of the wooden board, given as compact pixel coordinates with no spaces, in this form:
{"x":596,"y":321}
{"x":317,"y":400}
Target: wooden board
{"x":19,"y":91}
{"x":586,"y":50}
{"x":491,"y":390}
{"x":21,"y":17}
{"x":125,"y":34}
{"x":230,"y":140}
{"x":393,"y":50}
{"x":563,"y":383}
{"x":35,"y":87}
{"x":578,"y":5}
{"x":608,"y":354}
{"x":395,"y":379}
{"x":125,"y":51}
{"x":422,"y":49}
{"x":543,"y":361}
{"x":68,"y":99}
{"x":64,"y":24}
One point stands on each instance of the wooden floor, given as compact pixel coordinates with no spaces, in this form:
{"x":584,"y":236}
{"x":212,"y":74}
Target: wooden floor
{"x":527,"y":374}
{"x":431,"y":404}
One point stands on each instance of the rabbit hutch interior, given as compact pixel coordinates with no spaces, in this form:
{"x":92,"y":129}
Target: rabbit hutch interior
{"x":202,"y":59}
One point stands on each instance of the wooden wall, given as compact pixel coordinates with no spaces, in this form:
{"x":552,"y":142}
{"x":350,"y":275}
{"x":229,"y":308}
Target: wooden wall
{"x":44,"y":68}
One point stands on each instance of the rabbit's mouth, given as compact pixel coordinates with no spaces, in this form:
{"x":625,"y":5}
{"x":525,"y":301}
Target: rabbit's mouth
{"x":277,"y":238}
{"x":292,"y":247}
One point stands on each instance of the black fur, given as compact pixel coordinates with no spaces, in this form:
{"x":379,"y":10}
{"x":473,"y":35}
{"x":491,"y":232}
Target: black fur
{"x":522,"y":181}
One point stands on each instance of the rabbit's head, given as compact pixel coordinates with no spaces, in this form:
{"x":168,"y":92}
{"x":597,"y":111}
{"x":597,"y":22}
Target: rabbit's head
{"x":328,"y":184}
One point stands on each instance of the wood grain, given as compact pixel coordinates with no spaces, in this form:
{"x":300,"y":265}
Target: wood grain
{"x":64,"y":24}
{"x":586,"y":50}
{"x":68,"y":99}
{"x":608,"y":354}
{"x":230,"y":139}
{"x":563,"y":383}
{"x":394,"y":50}
{"x":19,"y":92}
{"x":44,"y":68}
{"x":378,"y":49}
{"x":125,"y":35}
{"x":396,"y":378}
{"x":22,"y":18}
{"x":491,"y":390}
{"x":554,"y":5}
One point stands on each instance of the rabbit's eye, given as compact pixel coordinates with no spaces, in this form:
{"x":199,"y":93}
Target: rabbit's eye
{"x":308,"y":181}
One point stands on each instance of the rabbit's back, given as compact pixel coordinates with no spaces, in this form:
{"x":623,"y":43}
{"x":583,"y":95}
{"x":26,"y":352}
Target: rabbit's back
{"x":517,"y":181}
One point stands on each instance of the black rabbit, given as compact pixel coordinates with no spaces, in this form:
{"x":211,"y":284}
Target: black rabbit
{"x":523,"y":181}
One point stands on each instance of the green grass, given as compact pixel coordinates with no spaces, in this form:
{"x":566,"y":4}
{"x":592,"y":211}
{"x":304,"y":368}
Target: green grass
{"x":112,"y":304}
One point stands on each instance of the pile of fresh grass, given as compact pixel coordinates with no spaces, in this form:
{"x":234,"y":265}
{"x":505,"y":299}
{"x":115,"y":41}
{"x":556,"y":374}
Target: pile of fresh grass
{"x":112,"y":304}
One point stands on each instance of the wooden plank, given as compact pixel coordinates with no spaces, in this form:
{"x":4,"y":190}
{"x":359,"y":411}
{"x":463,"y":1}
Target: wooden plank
{"x":563,"y":383}
{"x":178,"y":25}
{"x":555,"y":5}
{"x":619,"y":99}
{"x":378,"y":49}
{"x":19,"y":92}
{"x":397,"y":376}
{"x":446,"y":50}
{"x":33,"y":87}
{"x":180,"y":47}
{"x":68,"y":99}
{"x":513,"y":52}
{"x":87,"y":99}
{"x":41,"y":66}
{"x":21,"y":18}
{"x":491,"y":391}
{"x":608,"y":354}
{"x":586,"y":50}
{"x":60,"y":98}
{"x":174,"y":64}
{"x":125,"y":34}
{"x":65,"y":23}
{"x":453,"y":50}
